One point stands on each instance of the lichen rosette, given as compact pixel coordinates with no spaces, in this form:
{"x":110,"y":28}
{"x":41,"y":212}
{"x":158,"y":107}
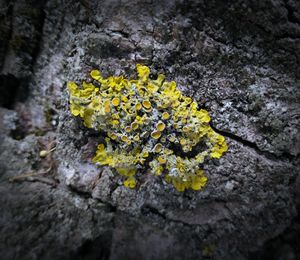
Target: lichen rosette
{"x":148,"y":124}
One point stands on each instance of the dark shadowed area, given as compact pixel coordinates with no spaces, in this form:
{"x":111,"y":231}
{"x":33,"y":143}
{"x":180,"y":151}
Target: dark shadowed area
{"x":239,"y":59}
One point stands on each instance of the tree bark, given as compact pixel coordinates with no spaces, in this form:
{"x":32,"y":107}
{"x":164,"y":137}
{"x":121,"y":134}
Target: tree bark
{"x":238,"y":59}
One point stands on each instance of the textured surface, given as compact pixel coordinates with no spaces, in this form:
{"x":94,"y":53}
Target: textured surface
{"x":240,"y":61}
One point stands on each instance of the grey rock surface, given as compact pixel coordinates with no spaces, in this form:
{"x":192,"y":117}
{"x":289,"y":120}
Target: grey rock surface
{"x":239,"y":59}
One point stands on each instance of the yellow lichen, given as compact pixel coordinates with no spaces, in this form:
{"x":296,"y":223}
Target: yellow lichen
{"x":116,"y":101}
{"x":130,"y":182}
{"x":142,"y":117}
{"x":147,"y":104}
{"x":160,"y":126}
{"x":156,"y":134}
{"x":158,"y":147}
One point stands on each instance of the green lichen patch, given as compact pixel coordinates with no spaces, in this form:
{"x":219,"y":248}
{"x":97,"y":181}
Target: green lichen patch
{"x":149,"y":123}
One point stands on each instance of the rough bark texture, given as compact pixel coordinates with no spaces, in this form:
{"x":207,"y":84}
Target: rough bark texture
{"x":239,"y":59}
